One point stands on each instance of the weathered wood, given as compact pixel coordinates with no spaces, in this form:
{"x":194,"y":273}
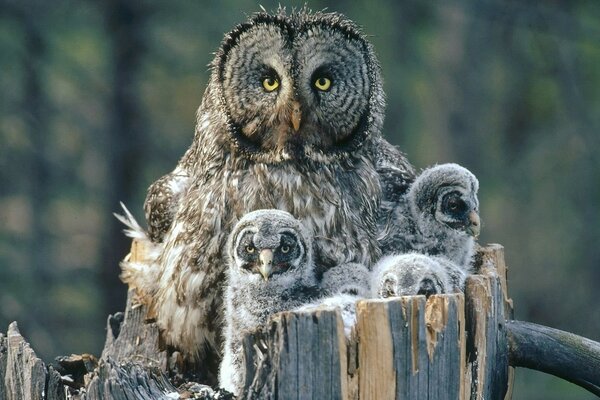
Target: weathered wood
{"x":132,"y":364}
{"x":3,"y":361}
{"x":130,"y":338}
{"x":376,"y":375}
{"x":487,"y":306}
{"x":25,"y":374}
{"x":129,"y":381}
{"x":443,"y":347}
{"x":486,"y":348}
{"x":298,"y":355}
{"x":411,"y":347}
{"x":563,"y":354}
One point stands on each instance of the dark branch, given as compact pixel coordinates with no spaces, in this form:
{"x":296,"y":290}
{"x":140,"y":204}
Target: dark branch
{"x":568,"y":356}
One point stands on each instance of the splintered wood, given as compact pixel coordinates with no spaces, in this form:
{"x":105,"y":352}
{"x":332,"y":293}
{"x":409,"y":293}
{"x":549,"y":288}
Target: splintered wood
{"x":297,"y":356}
{"x":25,"y":376}
{"x":411,"y":348}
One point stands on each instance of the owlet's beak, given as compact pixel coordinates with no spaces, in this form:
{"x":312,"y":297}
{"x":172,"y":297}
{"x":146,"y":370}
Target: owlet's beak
{"x":266,"y":263}
{"x":296,"y":117}
{"x":473,"y":224}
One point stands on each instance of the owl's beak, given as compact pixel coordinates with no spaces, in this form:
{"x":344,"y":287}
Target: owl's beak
{"x":266,"y":263}
{"x":296,"y":116}
{"x":473,"y":224}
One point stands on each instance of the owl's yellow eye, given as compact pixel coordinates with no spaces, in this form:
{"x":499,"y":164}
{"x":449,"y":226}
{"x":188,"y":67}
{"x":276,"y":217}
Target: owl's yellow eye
{"x":285,"y":249}
{"x":323,"y":84}
{"x":270,"y":84}
{"x":250,"y":249}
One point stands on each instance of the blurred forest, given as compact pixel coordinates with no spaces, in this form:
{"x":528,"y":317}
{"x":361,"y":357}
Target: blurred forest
{"x":98,"y":99}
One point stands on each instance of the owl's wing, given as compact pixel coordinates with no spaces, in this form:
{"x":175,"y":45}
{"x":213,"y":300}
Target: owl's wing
{"x":162,"y":202}
{"x":395,"y":172}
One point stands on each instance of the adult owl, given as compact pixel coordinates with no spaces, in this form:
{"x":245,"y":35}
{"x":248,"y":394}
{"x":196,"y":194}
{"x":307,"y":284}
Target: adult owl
{"x":291,"y":119}
{"x":270,"y":269}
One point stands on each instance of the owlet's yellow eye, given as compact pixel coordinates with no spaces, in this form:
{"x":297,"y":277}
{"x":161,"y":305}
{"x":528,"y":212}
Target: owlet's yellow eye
{"x":285,"y":249}
{"x":270,"y":84}
{"x":323,"y":84}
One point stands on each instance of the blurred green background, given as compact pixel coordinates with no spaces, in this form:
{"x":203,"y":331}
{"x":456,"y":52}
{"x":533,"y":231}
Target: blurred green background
{"x":98,"y":99}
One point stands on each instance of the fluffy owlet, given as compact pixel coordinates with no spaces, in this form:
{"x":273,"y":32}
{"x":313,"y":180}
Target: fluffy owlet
{"x":414,"y":273}
{"x":437,"y":217}
{"x":270,"y":270}
{"x":291,"y":120}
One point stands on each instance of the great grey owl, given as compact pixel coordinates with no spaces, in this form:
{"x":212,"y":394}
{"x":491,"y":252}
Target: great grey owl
{"x":270,"y":270}
{"x":291,"y":119}
{"x":437,"y":217}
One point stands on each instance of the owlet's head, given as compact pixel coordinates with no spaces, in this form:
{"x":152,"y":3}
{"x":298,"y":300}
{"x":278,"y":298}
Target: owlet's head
{"x":446,"y":196}
{"x":298,"y":85}
{"x":270,"y":245}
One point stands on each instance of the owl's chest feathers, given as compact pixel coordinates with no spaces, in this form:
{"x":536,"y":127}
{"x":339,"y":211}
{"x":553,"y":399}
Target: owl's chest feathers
{"x":251,"y":304}
{"x":337,"y":203}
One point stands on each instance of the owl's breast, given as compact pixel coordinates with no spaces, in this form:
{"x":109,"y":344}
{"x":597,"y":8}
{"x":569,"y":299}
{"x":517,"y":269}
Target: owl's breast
{"x":337,"y":204}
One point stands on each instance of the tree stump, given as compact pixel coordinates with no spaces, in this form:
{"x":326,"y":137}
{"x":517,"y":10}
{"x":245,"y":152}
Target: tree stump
{"x":453,"y":346}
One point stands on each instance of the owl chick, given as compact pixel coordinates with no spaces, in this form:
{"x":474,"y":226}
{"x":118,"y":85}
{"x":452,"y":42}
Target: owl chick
{"x":437,"y":216}
{"x":415,"y":273}
{"x":435,"y":222}
{"x":270,"y":270}
{"x":351,"y":279}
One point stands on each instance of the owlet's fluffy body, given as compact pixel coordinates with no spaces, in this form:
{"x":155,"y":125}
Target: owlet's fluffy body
{"x":428,"y":236}
{"x":270,"y":270}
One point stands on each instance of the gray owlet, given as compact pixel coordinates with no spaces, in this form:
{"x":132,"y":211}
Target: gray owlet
{"x":270,"y":270}
{"x":437,"y":217}
{"x":291,"y":119}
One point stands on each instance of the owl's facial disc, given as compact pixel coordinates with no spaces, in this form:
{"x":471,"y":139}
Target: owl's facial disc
{"x":458,"y":212}
{"x":293,"y":91}
{"x":267,"y":253}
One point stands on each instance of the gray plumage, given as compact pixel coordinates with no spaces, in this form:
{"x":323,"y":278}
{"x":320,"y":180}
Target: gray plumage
{"x":291,"y":119}
{"x":437,"y":216}
{"x":270,"y":270}
{"x":415,"y":273}
{"x":352,"y":279}
{"x":429,"y":234}
{"x":395,"y":174}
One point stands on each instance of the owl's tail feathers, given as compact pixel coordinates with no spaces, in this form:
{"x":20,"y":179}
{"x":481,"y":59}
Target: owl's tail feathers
{"x":143,"y":277}
{"x":139,"y":269}
{"x":134,"y":230}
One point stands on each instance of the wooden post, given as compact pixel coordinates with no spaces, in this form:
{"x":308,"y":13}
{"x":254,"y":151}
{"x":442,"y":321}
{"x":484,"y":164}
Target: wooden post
{"x":411,"y":347}
{"x":450,"y":346}
{"x":299,"y":355}
{"x":487,"y":305}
